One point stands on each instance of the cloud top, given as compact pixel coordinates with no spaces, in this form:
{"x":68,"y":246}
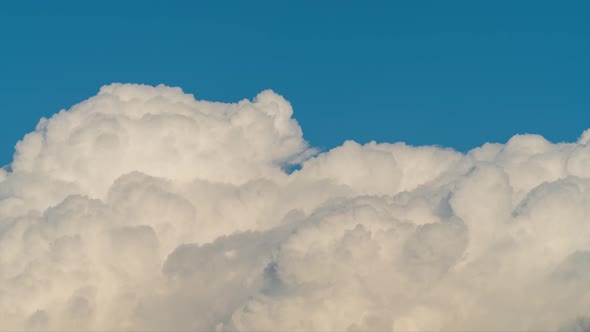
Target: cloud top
{"x":143,"y":208}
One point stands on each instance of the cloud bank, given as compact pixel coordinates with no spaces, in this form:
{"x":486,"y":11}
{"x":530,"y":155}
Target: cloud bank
{"x":142,"y":208}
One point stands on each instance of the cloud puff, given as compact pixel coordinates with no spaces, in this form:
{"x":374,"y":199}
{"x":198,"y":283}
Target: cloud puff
{"x":143,"y":208}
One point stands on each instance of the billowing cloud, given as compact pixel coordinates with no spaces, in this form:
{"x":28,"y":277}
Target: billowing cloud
{"x":142,"y":208}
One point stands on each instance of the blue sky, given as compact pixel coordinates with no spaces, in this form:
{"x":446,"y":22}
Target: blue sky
{"x":451,"y":73}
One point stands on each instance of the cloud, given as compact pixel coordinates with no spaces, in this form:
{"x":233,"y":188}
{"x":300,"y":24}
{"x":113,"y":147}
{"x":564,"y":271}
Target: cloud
{"x":143,"y":208}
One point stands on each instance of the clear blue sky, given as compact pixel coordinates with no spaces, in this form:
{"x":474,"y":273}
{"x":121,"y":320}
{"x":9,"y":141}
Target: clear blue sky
{"x":452,"y":73}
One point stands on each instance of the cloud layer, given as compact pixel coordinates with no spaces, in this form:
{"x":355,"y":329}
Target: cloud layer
{"x":143,"y":208}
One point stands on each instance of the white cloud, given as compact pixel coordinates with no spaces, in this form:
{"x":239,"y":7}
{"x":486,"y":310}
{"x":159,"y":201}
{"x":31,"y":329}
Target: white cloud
{"x":142,"y":208}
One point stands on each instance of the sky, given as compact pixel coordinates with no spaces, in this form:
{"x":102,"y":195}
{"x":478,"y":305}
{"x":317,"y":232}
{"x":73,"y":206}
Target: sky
{"x":453,"y":73}
{"x":249,"y":209}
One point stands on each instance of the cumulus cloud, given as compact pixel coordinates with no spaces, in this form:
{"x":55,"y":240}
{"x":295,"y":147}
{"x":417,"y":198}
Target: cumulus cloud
{"x":142,"y":208}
